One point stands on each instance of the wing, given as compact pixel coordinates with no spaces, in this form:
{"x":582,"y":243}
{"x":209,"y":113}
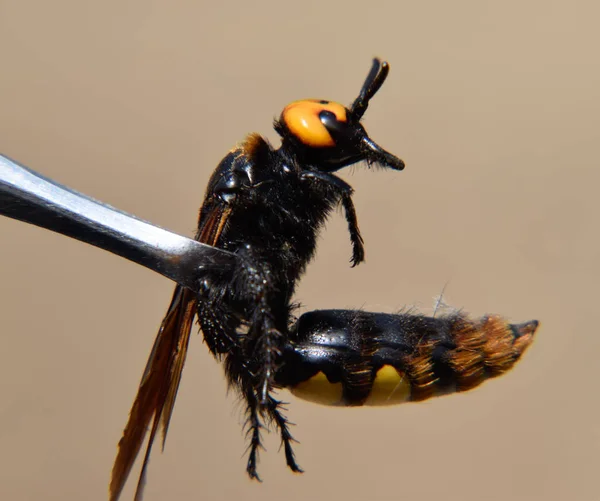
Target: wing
{"x":159,"y":385}
{"x":158,"y":389}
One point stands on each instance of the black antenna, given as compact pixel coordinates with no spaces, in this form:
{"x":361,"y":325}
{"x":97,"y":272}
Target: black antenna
{"x":375,"y":78}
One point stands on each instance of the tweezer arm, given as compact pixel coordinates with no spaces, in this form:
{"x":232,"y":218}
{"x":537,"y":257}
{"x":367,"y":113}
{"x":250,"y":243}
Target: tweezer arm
{"x":30,"y":197}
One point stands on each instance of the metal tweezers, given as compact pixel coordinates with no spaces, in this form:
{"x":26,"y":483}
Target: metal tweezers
{"x":28,"y":196}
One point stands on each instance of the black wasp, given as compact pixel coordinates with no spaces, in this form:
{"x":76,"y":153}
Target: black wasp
{"x":267,"y":206}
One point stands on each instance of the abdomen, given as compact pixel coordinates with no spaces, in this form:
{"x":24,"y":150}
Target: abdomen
{"x":346,"y":357}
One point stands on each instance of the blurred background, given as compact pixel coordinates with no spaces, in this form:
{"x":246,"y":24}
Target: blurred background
{"x":494,"y":106}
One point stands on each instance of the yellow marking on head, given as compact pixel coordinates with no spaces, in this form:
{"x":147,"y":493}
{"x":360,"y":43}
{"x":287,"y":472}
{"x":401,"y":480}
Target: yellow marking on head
{"x":302,"y":120}
{"x":389,"y":387}
{"x":319,"y":390}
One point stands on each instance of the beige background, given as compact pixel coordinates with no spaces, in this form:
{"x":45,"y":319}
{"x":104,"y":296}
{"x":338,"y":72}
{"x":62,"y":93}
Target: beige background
{"x":495,"y":108}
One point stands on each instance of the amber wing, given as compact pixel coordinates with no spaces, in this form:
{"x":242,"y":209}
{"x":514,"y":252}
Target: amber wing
{"x":156,"y":395}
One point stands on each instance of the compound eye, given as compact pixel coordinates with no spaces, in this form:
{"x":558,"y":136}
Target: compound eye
{"x":309,"y":121}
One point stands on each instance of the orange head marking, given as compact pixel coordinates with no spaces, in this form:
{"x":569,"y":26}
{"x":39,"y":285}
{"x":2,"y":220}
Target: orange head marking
{"x":328,"y":136}
{"x":304,"y":119}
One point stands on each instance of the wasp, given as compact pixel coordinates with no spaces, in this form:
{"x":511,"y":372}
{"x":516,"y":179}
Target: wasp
{"x":266,"y":206}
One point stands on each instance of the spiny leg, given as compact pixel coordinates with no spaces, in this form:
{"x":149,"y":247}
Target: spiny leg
{"x":268,"y":352}
{"x":254,"y":426}
{"x":282,"y":424}
{"x":217,"y":334}
{"x":358,"y":249}
{"x":264,"y":339}
{"x":345,"y":192}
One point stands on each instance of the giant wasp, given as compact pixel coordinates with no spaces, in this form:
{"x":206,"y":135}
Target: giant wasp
{"x":261,"y":215}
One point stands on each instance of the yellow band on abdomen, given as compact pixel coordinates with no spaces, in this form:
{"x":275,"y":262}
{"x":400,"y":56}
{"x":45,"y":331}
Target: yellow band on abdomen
{"x":319,"y":390}
{"x":389,"y":388}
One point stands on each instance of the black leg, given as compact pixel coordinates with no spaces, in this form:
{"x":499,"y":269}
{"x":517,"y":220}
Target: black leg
{"x":345,"y":192}
{"x":263,"y":342}
{"x":253,"y":432}
{"x":266,"y":349}
{"x":282,"y":424}
{"x":358,"y":249}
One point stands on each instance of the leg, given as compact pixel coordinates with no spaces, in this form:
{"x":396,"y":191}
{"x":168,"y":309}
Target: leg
{"x":262,"y":344}
{"x":286,"y":437}
{"x":217,"y":333}
{"x":266,"y":351}
{"x":253,"y":432}
{"x":345,"y":192}
{"x":358,"y":249}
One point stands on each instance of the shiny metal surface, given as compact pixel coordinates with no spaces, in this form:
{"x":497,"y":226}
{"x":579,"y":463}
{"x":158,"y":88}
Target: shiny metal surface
{"x":30,"y":197}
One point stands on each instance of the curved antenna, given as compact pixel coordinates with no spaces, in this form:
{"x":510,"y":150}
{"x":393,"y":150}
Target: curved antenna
{"x":30,"y":197}
{"x":375,"y":78}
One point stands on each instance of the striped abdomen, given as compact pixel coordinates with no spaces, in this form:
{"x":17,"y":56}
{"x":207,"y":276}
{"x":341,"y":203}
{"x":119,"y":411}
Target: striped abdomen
{"x":348,"y":357}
